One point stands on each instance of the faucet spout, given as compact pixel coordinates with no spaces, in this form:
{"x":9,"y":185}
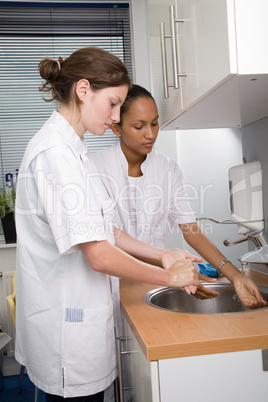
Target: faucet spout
{"x":260,"y":254}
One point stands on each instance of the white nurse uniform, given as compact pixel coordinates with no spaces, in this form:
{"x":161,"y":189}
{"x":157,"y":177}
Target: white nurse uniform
{"x":65,"y":329}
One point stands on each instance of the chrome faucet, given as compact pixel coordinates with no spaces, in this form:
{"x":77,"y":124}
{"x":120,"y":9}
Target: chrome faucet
{"x":257,"y":256}
{"x":260,"y":254}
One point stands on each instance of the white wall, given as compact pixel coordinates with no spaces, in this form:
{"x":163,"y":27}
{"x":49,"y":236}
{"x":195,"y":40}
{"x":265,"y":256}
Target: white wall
{"x":205,"y":157}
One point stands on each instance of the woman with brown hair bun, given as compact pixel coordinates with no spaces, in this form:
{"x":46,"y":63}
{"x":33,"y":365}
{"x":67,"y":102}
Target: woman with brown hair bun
{"x":66,"y":247}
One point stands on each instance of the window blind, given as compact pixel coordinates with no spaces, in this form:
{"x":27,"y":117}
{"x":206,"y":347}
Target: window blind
{"x":30,"y":31}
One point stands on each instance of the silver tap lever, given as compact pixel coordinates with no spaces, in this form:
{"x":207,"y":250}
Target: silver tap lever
{"x":228,"y":242}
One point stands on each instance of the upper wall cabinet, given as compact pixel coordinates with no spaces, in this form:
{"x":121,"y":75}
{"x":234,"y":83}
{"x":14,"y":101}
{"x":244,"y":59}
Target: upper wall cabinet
{"x":209,"y":62}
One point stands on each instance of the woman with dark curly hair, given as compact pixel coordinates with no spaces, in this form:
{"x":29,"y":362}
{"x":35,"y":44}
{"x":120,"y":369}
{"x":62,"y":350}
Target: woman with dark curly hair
{"x":158,"y":193}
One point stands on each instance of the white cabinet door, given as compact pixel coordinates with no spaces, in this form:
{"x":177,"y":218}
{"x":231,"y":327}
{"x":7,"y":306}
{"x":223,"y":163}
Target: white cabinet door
{"x":204,"y":53}
{"x":158,"y":11}
{"x":207,"y":56}
{"x":233,"y":377}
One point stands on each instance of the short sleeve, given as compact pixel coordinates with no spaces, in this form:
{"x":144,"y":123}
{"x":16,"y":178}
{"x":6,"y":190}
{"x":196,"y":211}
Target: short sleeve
{"x":180,"y":210}
{"x":66,"y":198}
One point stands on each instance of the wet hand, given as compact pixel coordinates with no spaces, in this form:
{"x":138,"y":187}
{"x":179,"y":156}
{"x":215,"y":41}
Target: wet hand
{"x":203,"y":292}
{"x":175,"y":254}
{"x":248,"y":292}
{"x":205,"y":278}
{"x":182,"y":274}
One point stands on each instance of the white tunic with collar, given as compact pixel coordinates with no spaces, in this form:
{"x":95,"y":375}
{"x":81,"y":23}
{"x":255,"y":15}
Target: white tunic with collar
{"x":64,"y":323}
{"x":145,"y":205}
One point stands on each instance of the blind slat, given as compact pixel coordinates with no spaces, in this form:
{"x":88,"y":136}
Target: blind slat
{"x":29,"y":33}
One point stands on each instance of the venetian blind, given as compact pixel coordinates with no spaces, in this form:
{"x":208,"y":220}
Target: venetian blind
{"x":30,"y":31}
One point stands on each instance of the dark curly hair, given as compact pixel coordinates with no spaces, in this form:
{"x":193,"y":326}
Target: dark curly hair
{"x":135,"y":92}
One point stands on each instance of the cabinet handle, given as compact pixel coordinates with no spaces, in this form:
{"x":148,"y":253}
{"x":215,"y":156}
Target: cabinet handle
{"x":173,"y":38}
{"x":119,"y":397}
{"x":173,"y":46}
{"x":164,"y":59}
{"x":120,"y":389}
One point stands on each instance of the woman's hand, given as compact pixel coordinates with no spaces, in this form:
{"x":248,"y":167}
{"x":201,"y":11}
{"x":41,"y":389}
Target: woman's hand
{"x":175,"y":254}
{"x":169,"y":257}
{"x":202,"y":293}
{"x":182,"y":274}
{"x":205,"y":278}
{"x":248,"y":292}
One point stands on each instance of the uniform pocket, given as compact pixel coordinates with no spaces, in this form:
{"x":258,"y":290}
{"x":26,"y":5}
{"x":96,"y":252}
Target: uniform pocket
{"x":89,"y":347}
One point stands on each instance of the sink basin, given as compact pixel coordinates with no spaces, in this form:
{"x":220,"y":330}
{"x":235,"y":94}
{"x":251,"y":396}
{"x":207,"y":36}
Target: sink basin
{"x":177,"y":300}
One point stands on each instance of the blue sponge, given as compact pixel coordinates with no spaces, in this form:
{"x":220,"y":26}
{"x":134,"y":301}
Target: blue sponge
{"x":208,"y":270}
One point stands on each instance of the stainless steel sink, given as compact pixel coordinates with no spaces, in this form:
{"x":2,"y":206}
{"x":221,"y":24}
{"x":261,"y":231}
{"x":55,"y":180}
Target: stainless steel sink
{"x":178,"y":300}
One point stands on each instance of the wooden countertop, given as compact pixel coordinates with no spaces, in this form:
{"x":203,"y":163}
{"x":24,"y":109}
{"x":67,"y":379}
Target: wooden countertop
{"x":163,"y":334}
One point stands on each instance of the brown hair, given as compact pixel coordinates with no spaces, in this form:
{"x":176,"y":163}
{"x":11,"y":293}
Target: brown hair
{"x":101,"y":68}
